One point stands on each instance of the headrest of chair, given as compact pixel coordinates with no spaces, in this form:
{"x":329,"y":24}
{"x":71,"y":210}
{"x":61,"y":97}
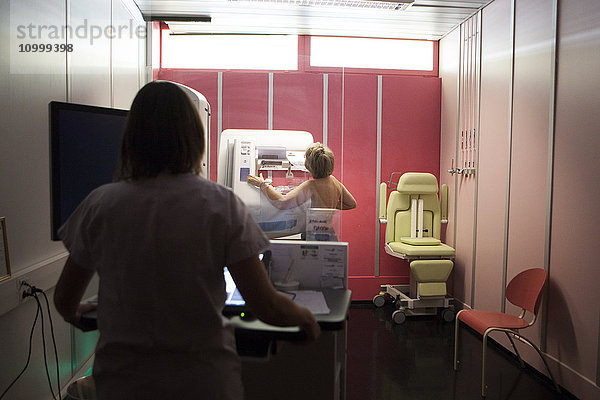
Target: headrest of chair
{"x":417,"y":183}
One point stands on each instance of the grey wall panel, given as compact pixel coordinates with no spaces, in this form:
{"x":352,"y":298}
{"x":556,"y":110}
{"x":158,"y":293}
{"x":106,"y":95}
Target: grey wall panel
{"x":533,"y":82}
{"x":532,"y":97}
{"x":574,"y":298}
{"x":89,"y":63}
{"x":125,"y":56}
{"x":494,"y":133}
{"x":28,"y":82}
{"x":465,"y":185}
{"x":449,"y":56}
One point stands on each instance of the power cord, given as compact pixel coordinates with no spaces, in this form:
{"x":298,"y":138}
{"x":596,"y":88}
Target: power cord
{"x":53,"y":343}
{"x":33,"y":292}
{"x":28,"y":355}
{"x":44,"y":346}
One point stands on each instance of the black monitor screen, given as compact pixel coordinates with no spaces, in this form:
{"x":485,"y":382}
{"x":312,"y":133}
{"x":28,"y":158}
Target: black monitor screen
{"x":85,"y":142}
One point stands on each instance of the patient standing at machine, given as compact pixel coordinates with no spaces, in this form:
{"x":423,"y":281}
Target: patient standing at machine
{"x":323,"y":191}
{"x":159,"y":238}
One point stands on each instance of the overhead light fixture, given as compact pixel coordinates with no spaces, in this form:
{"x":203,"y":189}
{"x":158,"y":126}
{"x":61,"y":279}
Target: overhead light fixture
{"x":177,"y":18}
{"x":398,"y":5}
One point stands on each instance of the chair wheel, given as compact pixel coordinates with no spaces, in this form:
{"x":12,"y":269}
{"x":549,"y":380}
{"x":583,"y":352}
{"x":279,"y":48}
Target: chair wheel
{"x":399,"y":316}
{"x":379,"y":300}
{"x":448,"y":315}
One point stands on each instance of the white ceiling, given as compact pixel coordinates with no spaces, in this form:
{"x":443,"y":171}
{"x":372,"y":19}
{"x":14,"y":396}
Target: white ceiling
{"x":425,"y":19}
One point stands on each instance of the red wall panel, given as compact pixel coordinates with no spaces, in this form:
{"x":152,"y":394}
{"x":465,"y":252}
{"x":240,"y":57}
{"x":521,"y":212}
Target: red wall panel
{"x":245,"y":100}
{"x":298,"y":103}
{"x":334,"y":120}
{"x":410,"y":140}
{"x":359,"y":161}
{"x":410,"y":125}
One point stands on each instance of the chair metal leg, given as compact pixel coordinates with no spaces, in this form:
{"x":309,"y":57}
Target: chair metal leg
{"x":484,"y":354}
{"x":543,"y":359}
{"x":521,"y":362}
{"x":456,"y":323}
{"x":509,"y":333}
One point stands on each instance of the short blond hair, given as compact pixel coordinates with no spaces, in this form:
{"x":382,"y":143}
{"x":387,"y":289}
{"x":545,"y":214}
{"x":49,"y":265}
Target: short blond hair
{"x":319,"y":160}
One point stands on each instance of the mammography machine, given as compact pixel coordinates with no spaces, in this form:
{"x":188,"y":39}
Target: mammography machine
{"x":203,"y":108}
{"x":279,"y":156}
{"x":413,"y":216}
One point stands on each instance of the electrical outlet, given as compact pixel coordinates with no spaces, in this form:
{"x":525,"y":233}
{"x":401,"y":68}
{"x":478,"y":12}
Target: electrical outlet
{"x":23,"y":289}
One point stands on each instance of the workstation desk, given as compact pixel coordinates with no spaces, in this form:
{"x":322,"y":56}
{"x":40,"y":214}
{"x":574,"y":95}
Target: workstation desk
{"x":276,"y":365}
{"x":275,"y":362}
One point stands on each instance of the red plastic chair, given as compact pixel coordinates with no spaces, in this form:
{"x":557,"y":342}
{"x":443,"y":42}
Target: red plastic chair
{"x":524,"y":291}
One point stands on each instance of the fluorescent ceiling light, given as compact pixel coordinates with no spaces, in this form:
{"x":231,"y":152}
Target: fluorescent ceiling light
{"x":398,"y":5}
{"x":177,"y":18}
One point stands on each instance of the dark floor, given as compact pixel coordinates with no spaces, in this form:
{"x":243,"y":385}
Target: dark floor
{"x":414,"y":361}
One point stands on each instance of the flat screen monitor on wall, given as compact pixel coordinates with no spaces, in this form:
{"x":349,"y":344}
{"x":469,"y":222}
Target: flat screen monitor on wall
{"x":85,"y":142}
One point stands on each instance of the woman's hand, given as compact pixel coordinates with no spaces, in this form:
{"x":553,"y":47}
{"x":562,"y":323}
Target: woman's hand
{"x":81,"y":311}
{"x":255,"y":180}
{"x":311,"y":327}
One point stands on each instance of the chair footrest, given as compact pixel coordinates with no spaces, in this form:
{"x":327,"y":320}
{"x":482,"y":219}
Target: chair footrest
{"x":432,"y":289}
{"x":431,"y":270}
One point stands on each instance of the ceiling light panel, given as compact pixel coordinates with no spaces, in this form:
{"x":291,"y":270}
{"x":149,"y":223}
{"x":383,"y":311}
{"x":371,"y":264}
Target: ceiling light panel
{"x":424,"y":19}
{"x":371,"y":4}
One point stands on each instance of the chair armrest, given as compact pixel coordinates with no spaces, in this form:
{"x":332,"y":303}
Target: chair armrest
{"x":382,"y":201}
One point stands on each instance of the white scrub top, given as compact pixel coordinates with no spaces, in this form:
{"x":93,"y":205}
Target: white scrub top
{"x":159,"y":247}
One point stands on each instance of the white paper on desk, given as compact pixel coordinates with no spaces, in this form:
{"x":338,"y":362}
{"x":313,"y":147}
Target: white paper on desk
{"x":313,"y":300}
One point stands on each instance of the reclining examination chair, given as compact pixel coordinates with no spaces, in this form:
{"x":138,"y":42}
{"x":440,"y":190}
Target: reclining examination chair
{"x":412,"y":233}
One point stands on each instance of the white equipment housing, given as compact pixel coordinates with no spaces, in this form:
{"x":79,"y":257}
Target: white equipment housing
{"x":203,"y":108}
{"x":249,"y":151}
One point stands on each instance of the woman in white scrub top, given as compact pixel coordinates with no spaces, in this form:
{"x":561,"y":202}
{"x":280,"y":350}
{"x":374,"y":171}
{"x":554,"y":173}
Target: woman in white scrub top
{"x":158,"y":238}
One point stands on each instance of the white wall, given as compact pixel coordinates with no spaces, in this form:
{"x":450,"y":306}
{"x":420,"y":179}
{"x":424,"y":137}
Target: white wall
{"x":573,"y":338}
{"x":103,"y":72}
{"x":449,"y":64}
{"x":495,"y":111}
{"x":538,"y":175}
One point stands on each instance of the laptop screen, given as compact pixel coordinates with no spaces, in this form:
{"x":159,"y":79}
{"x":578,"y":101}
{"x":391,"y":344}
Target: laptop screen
{"x":235,"y":303}
{"x":234,"y":297}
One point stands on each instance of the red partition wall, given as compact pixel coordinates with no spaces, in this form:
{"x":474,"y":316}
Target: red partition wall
{"x":334,"y":120}
{"x":245,"y":100}
{"x":298,"y":103}
{"x":410,"y":139}
{"x":359,"y":158}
